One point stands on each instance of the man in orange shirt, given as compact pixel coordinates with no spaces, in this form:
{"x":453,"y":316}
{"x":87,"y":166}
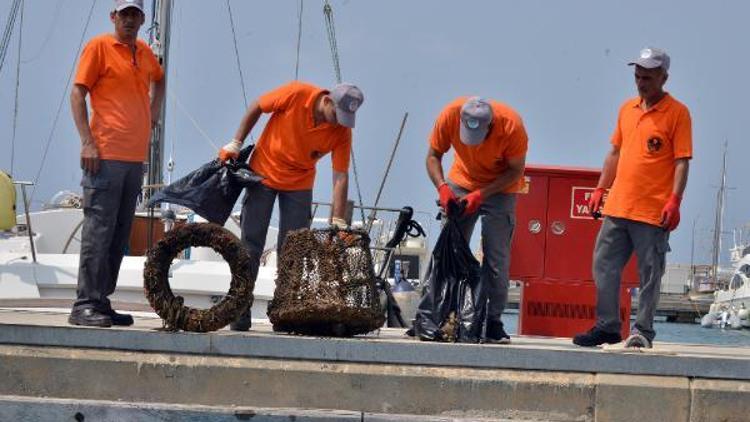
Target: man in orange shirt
{"x":647,"y":170}
{"x":307,"y":122}
{"x":490,"y":144}
{"x":117,"y":71}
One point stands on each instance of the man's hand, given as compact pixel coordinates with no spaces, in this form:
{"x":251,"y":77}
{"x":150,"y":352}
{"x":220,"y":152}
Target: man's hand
{"x":595,"y":202}
{"x":446,"y":196}
{"x":670,"y":215}
{"x":89,"y":157}
{"x":473,"y":201}
{"x":230,"y":150}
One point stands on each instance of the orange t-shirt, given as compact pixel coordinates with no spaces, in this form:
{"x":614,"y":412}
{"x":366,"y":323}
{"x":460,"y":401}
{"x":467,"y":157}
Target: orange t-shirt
{"x":291,"y":144}
{"x":119,"y":89}
{"x":477,"y":166}
{"x":650,"y":142}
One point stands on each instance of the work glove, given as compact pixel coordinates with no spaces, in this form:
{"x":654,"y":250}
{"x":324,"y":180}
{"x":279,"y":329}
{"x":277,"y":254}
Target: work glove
{"x":446,"y":196}
{"x":670,"y":215}
{"x":230,"y":150}
{"x":339,"y":223}
{"x":595,"y":202}
{"x":473,"y":201}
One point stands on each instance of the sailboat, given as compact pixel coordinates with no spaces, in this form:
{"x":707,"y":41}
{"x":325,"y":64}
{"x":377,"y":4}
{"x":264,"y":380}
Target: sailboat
{"x":39,"y":255}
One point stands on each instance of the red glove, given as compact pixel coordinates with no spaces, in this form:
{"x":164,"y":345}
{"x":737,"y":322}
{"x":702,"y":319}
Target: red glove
{"x":595,"y":202}
{"x":446,"y":196}
{"x":473,"y":202}
{"x":670,"y":215}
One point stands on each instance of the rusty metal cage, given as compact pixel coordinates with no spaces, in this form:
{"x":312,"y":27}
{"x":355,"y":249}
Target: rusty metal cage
{"x":326,"y":285}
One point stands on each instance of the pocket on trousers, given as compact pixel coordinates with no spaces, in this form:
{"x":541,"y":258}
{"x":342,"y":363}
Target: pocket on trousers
{"x":662,"y":246}
{"x":91,"y":184}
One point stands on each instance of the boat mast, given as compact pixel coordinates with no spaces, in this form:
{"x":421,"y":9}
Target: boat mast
{"x":718,"y":221}
{"x":159,"y":40}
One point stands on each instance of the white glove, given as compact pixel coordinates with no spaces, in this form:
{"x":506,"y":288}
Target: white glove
{"x":230,"y":150}
{"x":339,"y":223}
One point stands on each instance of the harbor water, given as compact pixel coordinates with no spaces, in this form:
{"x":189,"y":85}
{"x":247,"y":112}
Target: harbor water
{"x":671,"y":332}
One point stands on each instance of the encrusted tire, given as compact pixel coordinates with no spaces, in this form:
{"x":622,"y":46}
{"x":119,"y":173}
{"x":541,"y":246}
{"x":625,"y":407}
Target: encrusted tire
{"x":169,"y":307}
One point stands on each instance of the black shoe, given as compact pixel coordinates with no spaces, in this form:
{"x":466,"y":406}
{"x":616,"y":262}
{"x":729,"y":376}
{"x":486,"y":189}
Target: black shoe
{"x":243,"y":322}
{"x":117,"y":318}
{"x":89,"y":317}
{"x":596,"y":337}
{"x":496,"y":334}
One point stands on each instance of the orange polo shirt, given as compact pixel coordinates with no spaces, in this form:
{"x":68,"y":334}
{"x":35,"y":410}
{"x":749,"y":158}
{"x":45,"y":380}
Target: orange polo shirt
{"x":119,"y":88}
{"x":474,"y":167}
{"x":650,"y":142}
{"x":291,"y":144}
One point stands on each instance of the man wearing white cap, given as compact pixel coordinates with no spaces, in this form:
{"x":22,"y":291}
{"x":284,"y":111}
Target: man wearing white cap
{"x":307,"y":122}
{"x":646,"y":171}
{"x":490,"y":145}
{"x":125,"y":83}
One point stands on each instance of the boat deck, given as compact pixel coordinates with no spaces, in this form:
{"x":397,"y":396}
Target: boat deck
{"x":35,"y":327}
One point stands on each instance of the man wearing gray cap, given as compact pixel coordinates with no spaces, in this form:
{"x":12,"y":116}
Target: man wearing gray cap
{"x":306,"y":123}
{"x":490,"y":145}
{"x":126,"y":86}
{"x":646,"y":171}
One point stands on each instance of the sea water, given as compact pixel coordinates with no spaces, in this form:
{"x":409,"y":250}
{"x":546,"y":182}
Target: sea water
{"x":671,"y":332}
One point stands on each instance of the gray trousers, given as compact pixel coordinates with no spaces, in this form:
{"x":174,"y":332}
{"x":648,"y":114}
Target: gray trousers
{"x":295,"y":212}
{"x":498,"y":213}
{"x":618,"y":239}
{"x":109,"y":199}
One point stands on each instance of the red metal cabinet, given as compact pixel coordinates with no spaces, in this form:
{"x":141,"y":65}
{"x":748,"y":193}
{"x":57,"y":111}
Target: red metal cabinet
{"x":552,"y":252}
{"x":555,"y":233}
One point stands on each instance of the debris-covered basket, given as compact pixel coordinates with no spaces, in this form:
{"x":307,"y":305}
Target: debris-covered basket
{"x":326,"y":284}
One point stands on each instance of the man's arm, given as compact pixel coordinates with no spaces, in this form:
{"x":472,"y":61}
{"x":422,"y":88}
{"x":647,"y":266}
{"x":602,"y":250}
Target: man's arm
{"x":435,"y":167}
{"x":157,"y":98}
{"x":79,"y":108}
{"x":248,"y":121}
{"x":681,"y":168}
{"x":509,"y":176}
{"x":340,"y":193}
{"x":609,"y":170}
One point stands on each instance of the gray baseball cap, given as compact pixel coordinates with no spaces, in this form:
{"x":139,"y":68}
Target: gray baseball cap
{"x":124,"y":4}
{"x":476,"y":117}
{"x":652,"y":58}
{"x":347,"y":98}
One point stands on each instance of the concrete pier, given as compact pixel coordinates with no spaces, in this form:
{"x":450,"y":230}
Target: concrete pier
{"x":382,"y":376}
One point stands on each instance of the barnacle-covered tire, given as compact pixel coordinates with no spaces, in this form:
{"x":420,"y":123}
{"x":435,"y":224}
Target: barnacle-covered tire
{"x":170,"y":307}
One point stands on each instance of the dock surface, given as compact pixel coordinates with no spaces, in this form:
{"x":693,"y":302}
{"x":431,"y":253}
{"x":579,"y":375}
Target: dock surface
{"x":383,"y":373}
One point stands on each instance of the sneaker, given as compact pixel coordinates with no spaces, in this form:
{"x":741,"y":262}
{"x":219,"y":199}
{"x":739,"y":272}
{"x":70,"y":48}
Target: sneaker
{"x":637,"y":340}
{"x":596,"y":337}
{"x":495,"y":333}
{"x":242,"y":323}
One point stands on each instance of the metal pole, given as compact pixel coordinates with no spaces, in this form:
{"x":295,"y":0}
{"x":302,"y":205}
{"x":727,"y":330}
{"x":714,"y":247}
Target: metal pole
{"x":692,"y":257}
{"x":162,"y":17}
{"x":371,"y":217}
{"x":28,"y":218}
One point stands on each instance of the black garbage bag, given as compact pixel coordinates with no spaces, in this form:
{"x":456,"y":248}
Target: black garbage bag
{"x":211,"y":190}
{"x":453,"y":304}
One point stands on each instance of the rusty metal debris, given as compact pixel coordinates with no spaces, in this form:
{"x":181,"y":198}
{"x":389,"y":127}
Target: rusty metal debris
{"x":326,"y":285}
{"x":169,"y":307}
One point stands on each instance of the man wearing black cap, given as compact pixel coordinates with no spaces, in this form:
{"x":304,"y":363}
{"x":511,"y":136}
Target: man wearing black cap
{"x":307,"y":122}
{"x":490,"y":145}
{"x":646,"y":171}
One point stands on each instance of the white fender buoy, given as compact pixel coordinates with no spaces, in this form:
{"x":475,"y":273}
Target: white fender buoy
{"x":708,"y":320}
